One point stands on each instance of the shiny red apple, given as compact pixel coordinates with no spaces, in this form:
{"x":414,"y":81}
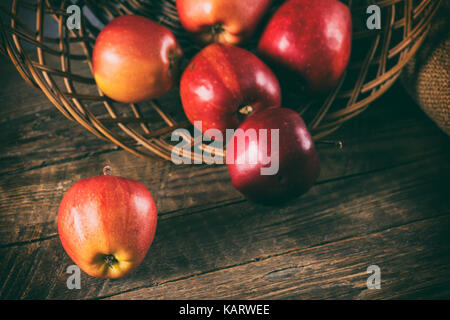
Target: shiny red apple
{"x":135,"y":59}
{"x":106,"y":225}
{"x":311,"y":38}
{"x":271,"y":167}
{"x":223,"y":84}
{"x":221,"y":21}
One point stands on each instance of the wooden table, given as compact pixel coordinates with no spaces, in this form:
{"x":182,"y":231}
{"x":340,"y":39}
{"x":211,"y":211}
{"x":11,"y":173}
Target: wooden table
{"x":383,"y":200}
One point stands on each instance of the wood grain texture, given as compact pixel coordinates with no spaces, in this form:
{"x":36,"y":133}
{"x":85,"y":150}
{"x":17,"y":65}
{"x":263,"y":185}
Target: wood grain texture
{"x":383,"y":199}
{"x":195,"y":243}
{"x":44,"y":168}
{"x":336,"y":270}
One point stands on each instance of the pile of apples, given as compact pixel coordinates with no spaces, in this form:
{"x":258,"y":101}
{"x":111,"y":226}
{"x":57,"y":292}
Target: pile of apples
{"x":106,"y":223}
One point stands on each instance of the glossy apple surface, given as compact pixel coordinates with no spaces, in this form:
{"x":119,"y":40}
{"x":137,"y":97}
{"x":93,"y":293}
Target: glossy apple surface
{"x":298,"y":162}
{"x":221,"y":21}
{"x":223,"y":81}
{"x":135,"y":59}
{"x":311,"y":38}
{"x":106,"y":225}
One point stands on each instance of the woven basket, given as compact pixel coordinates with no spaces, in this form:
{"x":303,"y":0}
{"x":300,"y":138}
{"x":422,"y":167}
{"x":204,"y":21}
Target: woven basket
{"x":60,"y":65}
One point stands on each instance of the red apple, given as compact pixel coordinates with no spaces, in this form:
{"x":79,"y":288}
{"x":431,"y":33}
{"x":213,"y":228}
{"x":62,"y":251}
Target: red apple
{"x":222,"y":21}
{"x":135,"y":59}
{"x":311,"y":38}
{"x":293,"y":159}
{"x":223,"y":84}
{"x":106,"y":225}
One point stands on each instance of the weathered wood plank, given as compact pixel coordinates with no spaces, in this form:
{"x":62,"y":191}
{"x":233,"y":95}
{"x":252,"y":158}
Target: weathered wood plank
{"x":195,"y":243}
{"x":33,"y":132}
{"x":17,"y":98}
{"x":43,"y":138}
{"x":414,"y":261}
{"x":392,"y":173}
{"x":29,"y":199}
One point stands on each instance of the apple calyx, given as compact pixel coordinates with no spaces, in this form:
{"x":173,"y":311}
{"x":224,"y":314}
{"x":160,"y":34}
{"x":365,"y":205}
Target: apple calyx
{"x":217,"y":29}
{"x":110,"y":260}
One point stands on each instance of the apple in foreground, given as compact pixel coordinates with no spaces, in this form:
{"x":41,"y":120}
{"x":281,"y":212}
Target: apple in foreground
{"x":224,"y":84}
{"x":135,"y":59}
{"x":310,"y":38}
{"x":298,"y":162}
{"x":106,"y":225}
{"x":221,"y":21}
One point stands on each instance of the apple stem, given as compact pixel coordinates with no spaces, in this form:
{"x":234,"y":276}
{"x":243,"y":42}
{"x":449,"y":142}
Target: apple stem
{"x":107,"y":170}
{"x":338,"y":143}
{"x":246,"y":110}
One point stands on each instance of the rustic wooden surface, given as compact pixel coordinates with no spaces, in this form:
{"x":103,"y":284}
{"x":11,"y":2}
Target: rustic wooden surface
{"x":383,"y":199}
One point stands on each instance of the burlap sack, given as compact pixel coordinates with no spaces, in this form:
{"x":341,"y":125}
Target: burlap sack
{"x":426,"y":77}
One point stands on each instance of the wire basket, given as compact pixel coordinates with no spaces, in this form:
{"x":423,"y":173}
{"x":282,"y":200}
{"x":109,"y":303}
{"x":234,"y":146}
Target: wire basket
{"x":57,"y":60}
